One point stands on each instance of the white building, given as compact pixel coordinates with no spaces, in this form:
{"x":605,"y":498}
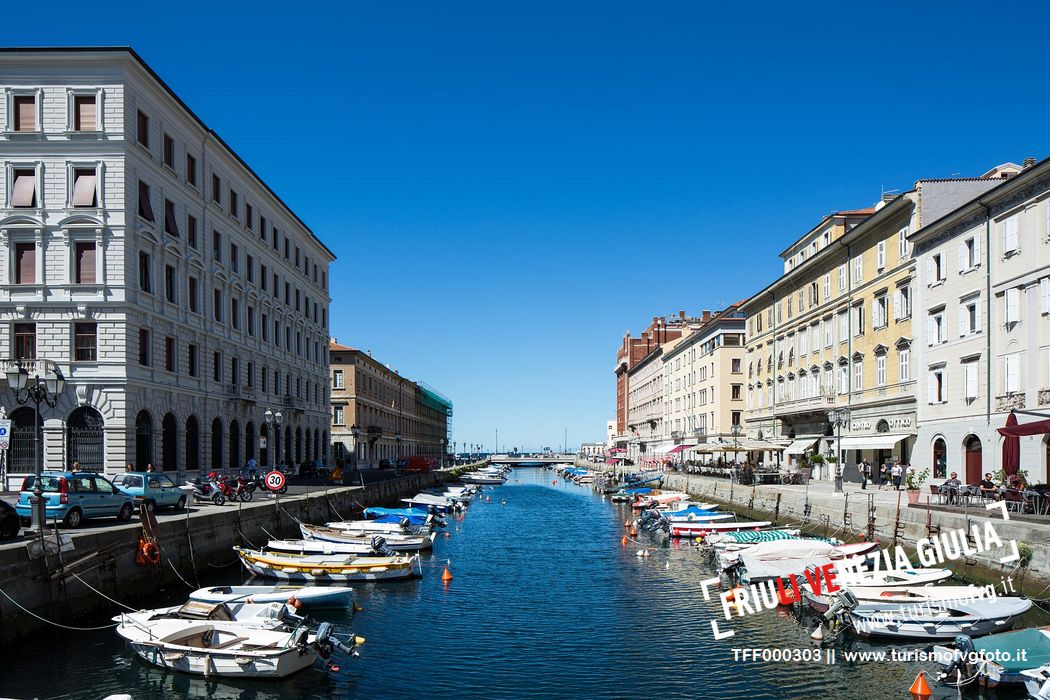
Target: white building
{"x":985,"y":301}
{"x":645,"y":419}
{"x":177,"y":292}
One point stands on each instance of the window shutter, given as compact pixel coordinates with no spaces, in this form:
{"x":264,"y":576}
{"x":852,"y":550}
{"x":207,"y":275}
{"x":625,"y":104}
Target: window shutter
{"x":145,"y":207}
{"x":976,"y":250}
{"x":1010,"y":234}
{"x":931,"y":330}
{"x":931,"y":387}
{"x":978,"y":324}
{"x":84,"y":190}
{"x":23,"y":194}
{"x":1044,"y":294}
{"x":897,"y":305}
{"x":1012,"y":372}
{"x":1012,"y":298}
{"x":881,"y":254}
{"x":929,"y":272}
{"x":85,"y":117}
{"x":971,"y":379}
{"x":963,"y":325}
{"x":963,"y":261}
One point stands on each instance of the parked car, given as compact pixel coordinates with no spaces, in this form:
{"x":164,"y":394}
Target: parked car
{"x":154,"y":489}
{"x":9,"y":521}
{"x":73,"y":496}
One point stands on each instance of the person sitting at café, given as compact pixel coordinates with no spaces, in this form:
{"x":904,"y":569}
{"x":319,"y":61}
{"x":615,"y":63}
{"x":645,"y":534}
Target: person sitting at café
{"x":952,"y":486}
{"x":988,"y":488}
{"x":1018,"y":482}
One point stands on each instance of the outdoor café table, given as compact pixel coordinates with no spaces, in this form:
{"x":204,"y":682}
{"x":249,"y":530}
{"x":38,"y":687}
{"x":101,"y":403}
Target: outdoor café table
{"x":1036,"y":501}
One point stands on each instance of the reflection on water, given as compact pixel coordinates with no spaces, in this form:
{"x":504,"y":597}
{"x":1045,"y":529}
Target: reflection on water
{"x":545,"y":604}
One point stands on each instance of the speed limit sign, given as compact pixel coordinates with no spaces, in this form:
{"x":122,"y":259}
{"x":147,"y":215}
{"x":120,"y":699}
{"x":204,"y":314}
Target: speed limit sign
{"x":275,"y":480}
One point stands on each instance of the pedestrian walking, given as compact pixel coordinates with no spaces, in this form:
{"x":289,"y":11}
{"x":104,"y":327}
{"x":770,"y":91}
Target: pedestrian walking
{"x":884,"y":475}
{"x":865,"y":474}
{"x":897,"y":472}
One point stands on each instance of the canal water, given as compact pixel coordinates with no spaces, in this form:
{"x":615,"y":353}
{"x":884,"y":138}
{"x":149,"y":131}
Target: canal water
{"x":545,"y":603}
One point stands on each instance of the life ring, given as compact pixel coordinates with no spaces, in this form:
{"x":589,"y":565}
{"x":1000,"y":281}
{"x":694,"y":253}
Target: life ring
{"x":151,"y":552}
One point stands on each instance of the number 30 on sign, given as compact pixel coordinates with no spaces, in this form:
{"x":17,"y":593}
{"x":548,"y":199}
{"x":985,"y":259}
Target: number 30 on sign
{"x":275,"y":481}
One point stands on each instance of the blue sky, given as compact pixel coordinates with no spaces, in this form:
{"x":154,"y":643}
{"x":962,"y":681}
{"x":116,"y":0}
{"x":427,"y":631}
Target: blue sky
{"x":510,"y":186}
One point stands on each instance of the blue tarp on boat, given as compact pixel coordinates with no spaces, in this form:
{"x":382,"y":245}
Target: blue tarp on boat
{"x":640,"y":491}
{"x":400,"y":512}
{"x":691,"y":510}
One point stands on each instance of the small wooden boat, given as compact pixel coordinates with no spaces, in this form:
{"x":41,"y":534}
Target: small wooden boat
{"x":334,"y":567}
{"x":933,"y":619}
{"x":884,"y":579}
{"x":705,"y":528}
{"x":309,"y":596}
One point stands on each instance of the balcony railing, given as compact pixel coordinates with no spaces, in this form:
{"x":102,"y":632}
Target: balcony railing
{"x":810,"y":403}
{"x":293,"y":402}
{"x":240,"y":392}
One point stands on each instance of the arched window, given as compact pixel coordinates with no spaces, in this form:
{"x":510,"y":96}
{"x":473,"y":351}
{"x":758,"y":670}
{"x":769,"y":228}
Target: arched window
{"x":170,"y":443}
{"x":143,"y":440}
{"x":193,"y":444}
{"x":216,"y":444}
{"x":235,"y":445}
{"x":324,"y":446}
{"x":940,"y":459}
{"x":86,"y":439}
{"x":973,"y":459}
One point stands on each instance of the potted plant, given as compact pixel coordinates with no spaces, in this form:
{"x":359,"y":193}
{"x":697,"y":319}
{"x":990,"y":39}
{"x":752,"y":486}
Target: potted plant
{"x":913,"y":481}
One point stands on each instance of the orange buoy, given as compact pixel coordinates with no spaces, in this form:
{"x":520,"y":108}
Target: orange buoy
{"x":295,"y":603}
{"x":633,"y":532}
{"x":554,"y":482}
{"x":446,"y":575}
{"x":624,"y":541}
{"x":920,"y":689}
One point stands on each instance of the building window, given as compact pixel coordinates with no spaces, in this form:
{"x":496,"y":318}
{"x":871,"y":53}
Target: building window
{"x":337,"y":379}
{"x":216,"y":189}
{"x":858,"y":375}
{"x":842,"y":277}
{"x":843,"y":378}
{"x":23,"y":188}
{"x":880,"y":255}
{"x":24,"y":113}
{"x":1012,"y":372}
{"x":218,"y":305}
{"x":858,"y":319}
{"x":880,"y":370}
{"x":191,"y":359}
{"x":936,"y":390}
{"x":144,"y":347}
{"x":143,"y":129}
{"x":85,"y":193}
{"x":235,"y":313}
{"x":251,"y":374}
{"x":935,"y":269}
{"x":191,"y":231}
{"x":84,"y":262}
{"x":145,"y":273}
{"x":935,"y":329}
{"x":970,"y":387}
{"x":25,"y":263}
{"x":736,"y":389}
{"x":735,"y":417}
{"x":194,"y":295}
{"x":969,"y":317}
{"x":248,"y":215}
{"x":902,"y":303}
{"x":216,"y":366}
{"x":25,"y":341}
{"x":262,"y":227}
{"x":251,"y":321}
{"x":879,"y":312}
{"x":85,"y":113}
{"x":234,"y":211}
{"x":904,"y":365}
{"x":1012,"y":299}
{"x":169,"y":151}
{"x":169,"y":284}
{"x":735,"y":364}
{"x":191,"y":170}
{"x":233,"y":257}
{"x":145,"y":207}
{"x":969,"y":254}
{"x":338,"y":415}
{"x":169,"y":354}
{"x":216,"y":246}
{"x":171,"y":227}
{"x":1010,"y":244}
{"x":262,"y":277}
{"x":1044,"y":295}
{"x":903,"y":250}
{"x":249,"y":267}
{"x":265,"y":324}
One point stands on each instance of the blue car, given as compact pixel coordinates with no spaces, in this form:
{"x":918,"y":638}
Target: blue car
{"x":73,"y":496}
{"x":153,"y":489}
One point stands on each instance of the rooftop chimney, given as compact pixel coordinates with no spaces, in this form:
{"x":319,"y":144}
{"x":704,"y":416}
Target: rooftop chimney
{"x":1029,"y":162}
{"x":681,"y":314}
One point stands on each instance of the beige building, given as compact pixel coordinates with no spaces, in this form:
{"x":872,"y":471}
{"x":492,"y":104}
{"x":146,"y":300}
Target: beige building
{"x":645,"y":417}
{"x":380,"y":415}
{"x":704,"y":383}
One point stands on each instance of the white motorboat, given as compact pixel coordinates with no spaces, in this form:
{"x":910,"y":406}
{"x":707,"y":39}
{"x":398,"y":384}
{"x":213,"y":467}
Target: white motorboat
{"x":793,"y":550}
{"x":309,"y":596}
{"x":484,"y":477}
{"x":427,"y":501}
{"x":393,"y":541}
{"x":931,"y":619}
{"x":277,"y":615}
{"x":883,"y":579}
{"x":226,"y":649}
{"x":707,"y":527}
{"x":402,"y":526}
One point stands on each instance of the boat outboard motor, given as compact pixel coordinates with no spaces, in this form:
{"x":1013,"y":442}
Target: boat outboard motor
{"x":380,"y":546}
{"x":843,"y":603}
{"x":326,"y":642}
{"x":960,"y":663}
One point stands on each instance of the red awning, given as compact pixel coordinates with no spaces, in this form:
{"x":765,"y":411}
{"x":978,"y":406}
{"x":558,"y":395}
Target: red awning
{"x":678,"y":449}
{"x":613,"y":460}
{"x":617,"y":450}
{"x":1039,"y":427}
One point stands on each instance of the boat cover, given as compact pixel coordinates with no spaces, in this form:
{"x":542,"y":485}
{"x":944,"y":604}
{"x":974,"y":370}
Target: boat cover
{"x":399,"y":512}
{"x":412,"y":519}
{"x":1035,"y":640}
{"x":750,"y":536}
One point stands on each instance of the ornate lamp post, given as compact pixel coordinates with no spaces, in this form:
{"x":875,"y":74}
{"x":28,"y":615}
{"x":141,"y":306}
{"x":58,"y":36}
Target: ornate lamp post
{"x":273,"y":419}
{"x":837,"y":418}
{"x":38,"y":389}
{"x":735,"y":432}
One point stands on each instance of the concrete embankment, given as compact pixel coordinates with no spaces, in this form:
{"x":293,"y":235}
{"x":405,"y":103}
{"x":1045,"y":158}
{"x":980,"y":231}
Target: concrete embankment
{"x":56,"y":587}
{"x":849,"y":516}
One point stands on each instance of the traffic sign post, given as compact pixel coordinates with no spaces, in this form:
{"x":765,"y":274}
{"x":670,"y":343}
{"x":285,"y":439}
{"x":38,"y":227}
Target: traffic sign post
{"x":5,"y":434}
{"x":275,"y":480}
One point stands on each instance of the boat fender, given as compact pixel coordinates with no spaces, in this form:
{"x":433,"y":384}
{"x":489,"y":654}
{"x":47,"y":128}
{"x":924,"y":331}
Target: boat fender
{"x":150,"y":552}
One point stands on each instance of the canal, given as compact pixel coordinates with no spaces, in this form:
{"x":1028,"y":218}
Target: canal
{"x":545,"y":603}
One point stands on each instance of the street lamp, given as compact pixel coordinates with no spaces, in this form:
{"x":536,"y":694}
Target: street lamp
{"x":837,"y":418}
{"x":39,"y":390}
{"x":272,"y":419}
{"x":735,"y":432}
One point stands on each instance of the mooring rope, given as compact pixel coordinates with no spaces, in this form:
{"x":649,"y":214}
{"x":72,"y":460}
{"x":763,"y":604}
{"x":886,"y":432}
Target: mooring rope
{"x":52,"y":622}
{"x":128,"y":607}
